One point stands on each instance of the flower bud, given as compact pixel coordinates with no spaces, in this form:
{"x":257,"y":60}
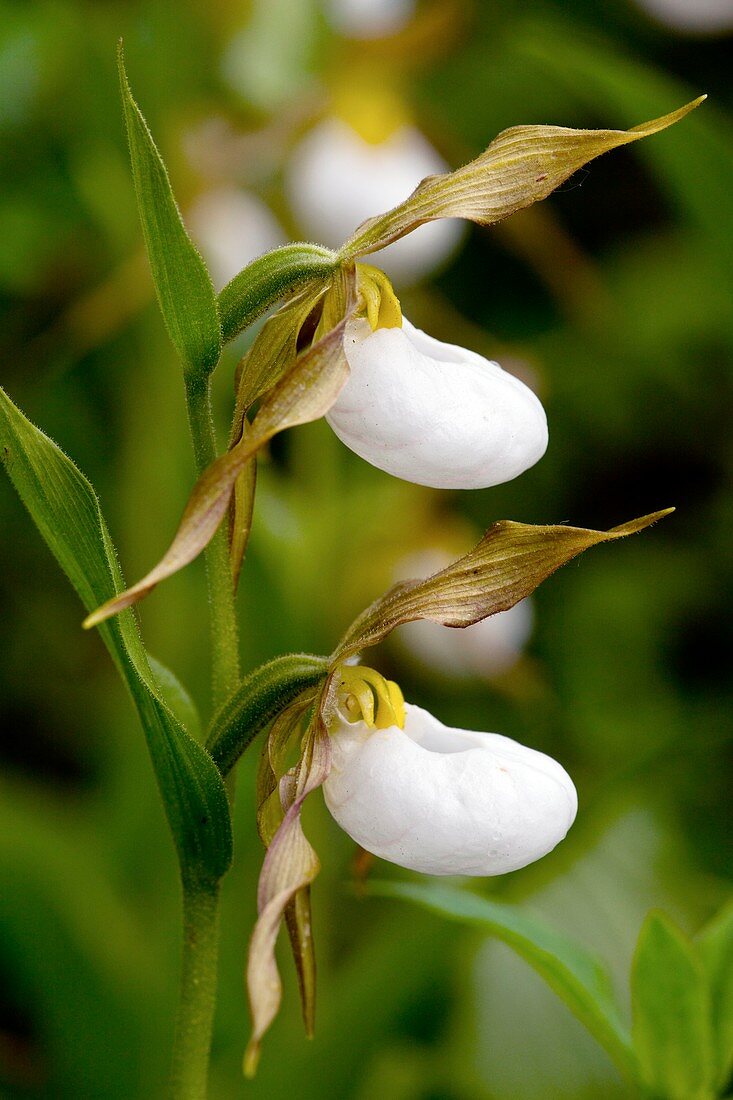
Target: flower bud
{"x":433,"y":413}
{"x":446,"y":801}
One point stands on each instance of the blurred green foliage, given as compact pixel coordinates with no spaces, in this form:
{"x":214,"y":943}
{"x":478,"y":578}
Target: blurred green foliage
{"x":616,"y":293}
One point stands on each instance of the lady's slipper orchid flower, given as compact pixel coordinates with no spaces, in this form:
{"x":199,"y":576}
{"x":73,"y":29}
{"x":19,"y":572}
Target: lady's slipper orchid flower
{"x":368,"y":18}
{"x":433,"y":413}
{"x":336,"y":179}
{"x":446,"y":801}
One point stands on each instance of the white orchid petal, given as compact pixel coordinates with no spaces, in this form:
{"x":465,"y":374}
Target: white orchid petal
{"x":447,"y":801}
{"x":433,"y":413}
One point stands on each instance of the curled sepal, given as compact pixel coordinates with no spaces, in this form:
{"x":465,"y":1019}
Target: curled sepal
{"x":521,"y":166}
{"x":290,"y":866}
{"x":509,"y":562}
{"x":305,"y":392}
{"x":285,"y":730}
{"x":273,"y":350}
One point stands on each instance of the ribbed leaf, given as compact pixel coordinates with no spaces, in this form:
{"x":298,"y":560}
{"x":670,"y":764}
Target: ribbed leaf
{"x":66,"y":511}
{"x":182,"y":283}
{"x":671,"y":1014}
{"x":577,"y":976}
{"x":507,"y":565}
{"x":521,"y":166}
{"x":715,"y":945}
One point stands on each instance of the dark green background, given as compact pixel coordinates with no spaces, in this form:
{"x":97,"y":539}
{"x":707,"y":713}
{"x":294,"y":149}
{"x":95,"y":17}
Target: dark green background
{"x":617,"y":292}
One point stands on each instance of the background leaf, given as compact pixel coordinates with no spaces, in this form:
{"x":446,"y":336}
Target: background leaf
{"x":574,"y":973}
{"x":183,"y":285}
{"x":715,"y":945}
{"x":671,"y":1014}
{"x":66,"y":511}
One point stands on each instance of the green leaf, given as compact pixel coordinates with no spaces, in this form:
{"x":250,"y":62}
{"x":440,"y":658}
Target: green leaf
{"x":182,"y":283}
{"x":577,"y":976}
{"x":715,"y":946}
{"x":521,"y":166}
{"x":268,"y":279}
{"x":671,"y":1014}
{"x":257,"y":701}
{"x":176,"y":696}
{"x":66,"y":511}
{"x":505,"y":566}
{"x":305,"y":392}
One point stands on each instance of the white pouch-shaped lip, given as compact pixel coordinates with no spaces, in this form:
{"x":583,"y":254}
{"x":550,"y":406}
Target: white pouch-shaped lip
{"x":433,"y":413}
{"x":446,"y":801}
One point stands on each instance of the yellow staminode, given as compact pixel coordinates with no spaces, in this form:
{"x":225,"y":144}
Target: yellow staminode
{"x":366,"y":696}
{"x":378,"y":297}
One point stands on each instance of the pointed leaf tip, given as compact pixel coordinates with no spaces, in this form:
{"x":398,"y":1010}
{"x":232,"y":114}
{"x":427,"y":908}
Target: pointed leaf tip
{"x":509,"y":562}
{"x":521,"y":166}
{"x":303,"y":393}
{"x":182,"y":282}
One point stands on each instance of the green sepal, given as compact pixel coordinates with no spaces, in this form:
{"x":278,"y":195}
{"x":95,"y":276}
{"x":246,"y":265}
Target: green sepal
{"x":66,"y":511}
{"x":268,"y":279}
{"x":671,"y":1014}
{"x":257,"y":701}
{"x":182,"y":282}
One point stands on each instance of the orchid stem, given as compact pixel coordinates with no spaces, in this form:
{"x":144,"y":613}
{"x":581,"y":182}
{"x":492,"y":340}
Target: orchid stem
{"x":194,"y":1023}
{"x":197,"y":1004}
{"x":223,"y":621}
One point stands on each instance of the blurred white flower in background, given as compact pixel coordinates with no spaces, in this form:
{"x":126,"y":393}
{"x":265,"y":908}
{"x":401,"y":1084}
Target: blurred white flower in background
{"x":484,"y":650}
{"x":336,"y":179}
{"x":232,"y":227}
{"x":691,"y":15}
{"x":435,"y":414}
{"x":446,"y":801}
{"x":368,"y":18}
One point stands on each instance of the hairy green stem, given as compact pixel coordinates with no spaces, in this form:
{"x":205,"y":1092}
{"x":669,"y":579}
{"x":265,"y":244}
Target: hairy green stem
{"x":222,"y":616}
{"x":190,"y":1069}
{"x":195,"y":1020}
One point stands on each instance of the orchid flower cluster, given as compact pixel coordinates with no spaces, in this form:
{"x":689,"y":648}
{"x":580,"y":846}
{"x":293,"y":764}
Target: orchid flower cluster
{"x":405,"y":787}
